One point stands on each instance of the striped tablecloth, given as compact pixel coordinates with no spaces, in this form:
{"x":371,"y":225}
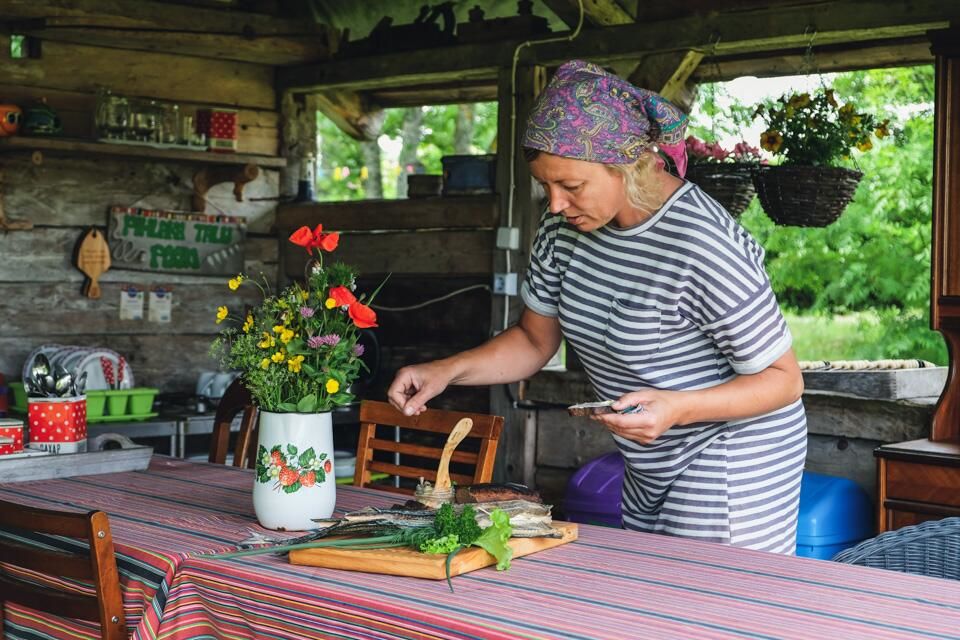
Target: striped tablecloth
{"x":609,"y":584}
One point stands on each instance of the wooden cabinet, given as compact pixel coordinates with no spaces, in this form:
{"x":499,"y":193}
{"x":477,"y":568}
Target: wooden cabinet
{"x":918,"y":481}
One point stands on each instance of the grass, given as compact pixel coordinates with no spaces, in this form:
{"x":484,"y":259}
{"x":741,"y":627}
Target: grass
{"x":861,"y":336}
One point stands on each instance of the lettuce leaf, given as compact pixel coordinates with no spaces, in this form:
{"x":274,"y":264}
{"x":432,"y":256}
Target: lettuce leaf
{"x":494,"y":539}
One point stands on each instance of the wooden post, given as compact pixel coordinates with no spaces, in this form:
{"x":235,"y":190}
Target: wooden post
{"x":945,"y":283}
{"x":526,"y":214}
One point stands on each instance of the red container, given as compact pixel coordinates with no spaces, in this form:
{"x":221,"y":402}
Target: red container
{"x":220,"y":127}
{"x":10,"y":428}
{"x":58,"y":424}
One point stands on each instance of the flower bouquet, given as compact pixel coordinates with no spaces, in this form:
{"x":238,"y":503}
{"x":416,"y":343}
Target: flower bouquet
{"x":298,"y":353}
{"x":726,"y":175}
{"x":811,"y":136}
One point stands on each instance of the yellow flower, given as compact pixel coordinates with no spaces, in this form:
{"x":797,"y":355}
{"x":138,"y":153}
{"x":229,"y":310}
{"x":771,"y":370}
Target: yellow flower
{"x":799,"y":101}
{"x":267,"y":342}
{"x":330,"y":303}
{"x":364,"y":173}
{"x":293,"y":364}
{"x":846,"y":111}
{"x":286,"y":336}
{"x":771,"y":140}
{"x":248,"y":324}
{"x":882,"y":131}
{"x":277,"y":357}
{"x":234,"y":283}
{"x":221,"y":314}
{"x":278,"y":328}
{"x":332,"y":386}
{"x":790,"y":110}
{"x":304,"y":295}
{"x":855,"y":120}
{"x":265,"y":363}
{"x":865,"y":145}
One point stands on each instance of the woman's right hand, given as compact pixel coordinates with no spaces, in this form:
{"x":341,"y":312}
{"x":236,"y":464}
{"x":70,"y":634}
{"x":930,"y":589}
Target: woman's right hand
{"x":413,"y":386}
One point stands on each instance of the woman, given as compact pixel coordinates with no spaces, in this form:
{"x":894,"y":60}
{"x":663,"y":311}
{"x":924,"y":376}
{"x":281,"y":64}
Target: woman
{"x":666,"y":302}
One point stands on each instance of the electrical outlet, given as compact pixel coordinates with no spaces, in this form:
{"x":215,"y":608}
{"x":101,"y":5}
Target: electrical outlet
{"x":508,"y":238}
{"x":505,"y":284}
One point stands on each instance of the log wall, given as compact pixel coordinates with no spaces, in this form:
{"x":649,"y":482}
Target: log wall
{"x":40,"y":290}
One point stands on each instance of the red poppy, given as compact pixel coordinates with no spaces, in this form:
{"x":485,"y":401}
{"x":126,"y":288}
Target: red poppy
{"x":329,"y":241}
{"x":342,"y":296}
{"x":363,"y":316}
{"x":302,"y":237}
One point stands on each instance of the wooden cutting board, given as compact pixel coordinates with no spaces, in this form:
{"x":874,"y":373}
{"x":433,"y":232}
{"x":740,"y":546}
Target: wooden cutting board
{"x":407,"y":562}
{"x":93,"y":258}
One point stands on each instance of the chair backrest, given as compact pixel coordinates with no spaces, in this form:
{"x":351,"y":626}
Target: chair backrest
{"x":486,"y":429}
{"x":96,"y":565}
{"x":235,"y":399}
{"x":926,"y":549}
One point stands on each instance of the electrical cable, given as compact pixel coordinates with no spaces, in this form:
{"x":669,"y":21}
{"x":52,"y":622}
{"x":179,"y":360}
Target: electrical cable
{"x":432,"y":300}
{"x":512,"y":183}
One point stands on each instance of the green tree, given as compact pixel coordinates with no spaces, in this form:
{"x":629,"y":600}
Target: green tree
{"x":876,"y":257}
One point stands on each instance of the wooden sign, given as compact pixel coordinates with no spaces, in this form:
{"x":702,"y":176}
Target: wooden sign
{"x":174,"y":242}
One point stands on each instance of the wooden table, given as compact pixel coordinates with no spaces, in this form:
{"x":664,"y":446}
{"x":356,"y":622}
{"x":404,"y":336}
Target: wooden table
{"x":609,"y":584}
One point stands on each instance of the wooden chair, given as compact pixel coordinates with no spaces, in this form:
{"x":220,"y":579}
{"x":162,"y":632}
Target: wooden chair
{"x":96,"y":565}
{"x":486,"y":429}
{"x":235,"y":399}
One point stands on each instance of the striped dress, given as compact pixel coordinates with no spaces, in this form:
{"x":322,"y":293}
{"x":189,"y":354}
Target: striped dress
{"x":680,"y":302}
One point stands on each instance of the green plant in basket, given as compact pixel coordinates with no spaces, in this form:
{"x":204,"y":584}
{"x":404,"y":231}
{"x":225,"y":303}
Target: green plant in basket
{"x":298,"y":351}
{"x":816,"y":130}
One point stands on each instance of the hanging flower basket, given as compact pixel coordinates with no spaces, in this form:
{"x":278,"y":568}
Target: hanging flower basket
{"x":730,"y":184}
{"x":805,"y":196}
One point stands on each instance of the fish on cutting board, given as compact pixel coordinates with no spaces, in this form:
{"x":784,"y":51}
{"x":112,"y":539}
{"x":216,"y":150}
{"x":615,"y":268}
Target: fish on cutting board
{"x":93,"y":259}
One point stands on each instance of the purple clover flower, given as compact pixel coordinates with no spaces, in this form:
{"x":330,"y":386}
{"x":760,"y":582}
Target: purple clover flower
{"x":358,"y":350}
{"x":306,"y":312}
{"x":330,"y":340}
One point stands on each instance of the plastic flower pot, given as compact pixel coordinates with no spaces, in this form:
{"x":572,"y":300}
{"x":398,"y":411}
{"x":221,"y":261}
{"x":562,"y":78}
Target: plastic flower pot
{"x":117,"y":400}
{"x":96,"y":400}
{"x":141,"y":400}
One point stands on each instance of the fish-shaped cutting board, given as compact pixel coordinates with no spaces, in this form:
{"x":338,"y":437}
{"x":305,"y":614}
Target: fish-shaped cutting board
{"x":93,"y":259}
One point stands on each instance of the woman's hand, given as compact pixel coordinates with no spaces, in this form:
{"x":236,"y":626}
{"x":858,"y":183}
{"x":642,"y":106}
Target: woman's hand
{"x":661,"y":410}
{"x":413,"y":386}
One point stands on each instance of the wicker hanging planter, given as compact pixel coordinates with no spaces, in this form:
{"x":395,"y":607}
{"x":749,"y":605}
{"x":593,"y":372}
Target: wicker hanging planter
{"x":730,"y":184}
{"x":805,"y":196}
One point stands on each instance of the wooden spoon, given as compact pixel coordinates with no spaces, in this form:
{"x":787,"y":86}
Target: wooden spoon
{"x":457,"y":434}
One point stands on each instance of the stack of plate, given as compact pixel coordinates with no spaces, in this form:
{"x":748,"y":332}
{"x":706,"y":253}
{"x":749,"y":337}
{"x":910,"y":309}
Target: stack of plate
{"x":93,"y":360}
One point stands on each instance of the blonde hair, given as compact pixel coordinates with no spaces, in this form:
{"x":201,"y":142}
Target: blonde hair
{"x":639,"y":180}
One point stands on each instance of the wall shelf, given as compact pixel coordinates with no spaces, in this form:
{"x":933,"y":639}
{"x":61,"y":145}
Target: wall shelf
{"x":76,"y":147}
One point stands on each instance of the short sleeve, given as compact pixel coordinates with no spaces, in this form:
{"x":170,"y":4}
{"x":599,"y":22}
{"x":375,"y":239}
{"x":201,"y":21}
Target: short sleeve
{"x":751,"y":334}
{"x":541,"y":286}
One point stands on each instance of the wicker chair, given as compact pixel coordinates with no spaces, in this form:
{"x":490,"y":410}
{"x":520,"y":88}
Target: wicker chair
{"x":928,"y":549}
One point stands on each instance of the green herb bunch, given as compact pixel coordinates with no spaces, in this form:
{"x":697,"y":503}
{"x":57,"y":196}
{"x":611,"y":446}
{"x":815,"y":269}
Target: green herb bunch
{"x":805,"y":129}
{"x":298,"y":351}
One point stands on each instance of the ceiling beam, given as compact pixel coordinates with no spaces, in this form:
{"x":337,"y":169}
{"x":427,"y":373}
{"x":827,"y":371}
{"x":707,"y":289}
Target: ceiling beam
{"x":596,"y":13}
{"x":750,"y":32}
{"x":148,"y":25}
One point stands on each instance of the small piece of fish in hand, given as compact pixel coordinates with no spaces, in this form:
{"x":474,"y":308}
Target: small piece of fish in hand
{"x":494,"y":492}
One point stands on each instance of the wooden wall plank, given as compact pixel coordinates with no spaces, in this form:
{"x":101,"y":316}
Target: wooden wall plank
{"x":71,"y":67}
{"x":426,"y":252}
{"x":78,"y":192}
{"x":473,"y":212}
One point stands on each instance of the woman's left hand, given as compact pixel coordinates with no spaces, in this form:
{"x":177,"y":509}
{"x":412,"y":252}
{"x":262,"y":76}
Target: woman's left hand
{"x":661,"y":410}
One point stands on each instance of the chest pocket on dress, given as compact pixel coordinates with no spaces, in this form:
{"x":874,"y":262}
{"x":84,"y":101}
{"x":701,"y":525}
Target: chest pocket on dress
{"x":633,"y":329}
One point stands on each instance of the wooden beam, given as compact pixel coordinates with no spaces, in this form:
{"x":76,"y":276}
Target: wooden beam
{"x":450,"y":93}
{"x":835,"y":58}
{"x":147,"y":25}
{"x":353,"y":113}
{"x":596,"y":13}
{"x":749,"y":31}
{"x":464,"y":212}
{"x":669,"y":74}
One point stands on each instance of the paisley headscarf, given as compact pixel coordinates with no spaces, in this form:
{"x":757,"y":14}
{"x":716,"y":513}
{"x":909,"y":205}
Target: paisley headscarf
{"x":588,"y":114}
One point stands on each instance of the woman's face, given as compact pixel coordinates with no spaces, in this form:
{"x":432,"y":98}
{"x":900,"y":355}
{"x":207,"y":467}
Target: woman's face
{"x":587,"y":194}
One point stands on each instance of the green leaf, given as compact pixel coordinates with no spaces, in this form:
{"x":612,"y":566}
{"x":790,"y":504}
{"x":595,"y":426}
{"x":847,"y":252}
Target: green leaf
{"x":263,"y":473}
{"x":277,"y":448}
{"x":494,"y":539}
{"x":307,"y":457}
{"x":297,"y":347}
{"x":287,"y":407}
{"x":296,"y":487}
{"x":307,"y":404}
{"x":292,"y":449}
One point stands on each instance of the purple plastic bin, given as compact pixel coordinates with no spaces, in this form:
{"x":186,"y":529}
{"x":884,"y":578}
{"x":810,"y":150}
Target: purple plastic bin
{"x":593,"y":493}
